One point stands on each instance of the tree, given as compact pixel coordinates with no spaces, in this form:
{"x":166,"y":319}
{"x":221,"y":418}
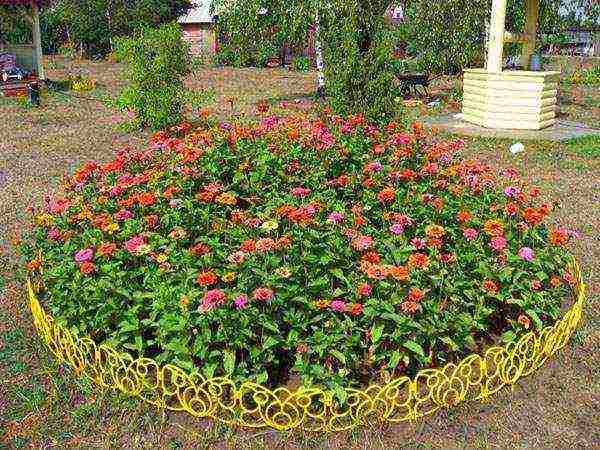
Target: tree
{"x":450,"y":35}
{"x":353,"y":43}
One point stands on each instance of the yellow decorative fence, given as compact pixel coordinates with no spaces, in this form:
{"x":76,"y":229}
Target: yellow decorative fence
{"x":248,"y":404}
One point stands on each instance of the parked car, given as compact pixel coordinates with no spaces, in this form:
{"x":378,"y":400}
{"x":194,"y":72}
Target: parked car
{"x":14,"y":73}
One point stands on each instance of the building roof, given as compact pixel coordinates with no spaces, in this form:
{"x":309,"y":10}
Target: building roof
{"x":200,"y":13}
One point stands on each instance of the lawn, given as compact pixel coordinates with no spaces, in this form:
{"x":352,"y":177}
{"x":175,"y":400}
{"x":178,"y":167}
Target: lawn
{"x":43,"y":405}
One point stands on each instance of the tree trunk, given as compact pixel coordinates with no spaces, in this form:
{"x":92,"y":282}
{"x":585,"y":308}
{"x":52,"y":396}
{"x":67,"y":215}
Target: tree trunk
{"x":37,"y":41}
{"x":319,"y":57}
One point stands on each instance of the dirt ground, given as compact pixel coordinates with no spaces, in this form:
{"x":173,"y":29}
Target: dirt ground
{"x":43,"y":406}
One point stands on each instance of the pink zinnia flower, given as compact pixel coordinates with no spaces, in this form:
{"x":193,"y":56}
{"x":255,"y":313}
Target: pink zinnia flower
{"x":211,"y":299}
{"x":85,"y":255}
{"x":373,"y":166}
{"x":498,"y":243}
{"x":336,"y":217}
{"x":418,"y":243}
{"x":301,"y":192}
{"x":338,"y":305}
{"x":365,"y":290}
{"x":362,"y":242}
{"x":237,"y":257}
{"x":536,"y":285}
{"x":396,"y":229}
{"x":124,"y":214}
{"x":241,"y":301}
{"x":526,"y":253}
{"x":134,"y":244}
{"x":512,"y":191}
{"x":263,"y":294}
{"x":54,"y":234}
{"x":470,"y":234}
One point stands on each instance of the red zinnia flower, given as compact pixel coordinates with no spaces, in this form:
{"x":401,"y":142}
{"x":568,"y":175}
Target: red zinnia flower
{"x":207,"y":278}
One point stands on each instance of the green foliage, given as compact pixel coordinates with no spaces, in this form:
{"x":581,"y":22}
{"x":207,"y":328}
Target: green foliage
{"x":92,"y":26}
{"x":301,"y":63}
{"x":358,"y":65}
{"x":157,"y":60}
{"x":447,"y":36}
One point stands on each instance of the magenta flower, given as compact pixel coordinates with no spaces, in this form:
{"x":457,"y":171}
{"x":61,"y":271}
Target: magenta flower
{"x":365,"y":289}
{"x":336,"y":217}
{"x":470,"y":234}
{"x":124,"y":214}
{"x":264,"y":294}
{"x":418,"y":243}
{"x":54,"y":234}
{"x":526,"y":253}
{"x":301,"y":192}
{"x":396,"y":229}
{"x":512,"y":191}
{"x":85,"y":255}
{"x":134,"y":244}
{"x":338,"y":305}
{"x":241,"y":301}
{"x":498,"y":243}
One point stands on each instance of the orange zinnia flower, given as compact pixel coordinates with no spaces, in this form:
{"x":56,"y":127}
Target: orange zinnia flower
{"x":418,"y":261}
{"x":409,"y":307}
{"x":415,"y":295}
{"x":207,"y":278}
{"x":559,"y":236}
{"x":399,"y":273}
{"x":435,"y":231}
{"x":494,"y":227}
{"x":464,"y":216}
{"x":147,"y":198}
{"x":533,"y":216}
{"x":387,"y":195}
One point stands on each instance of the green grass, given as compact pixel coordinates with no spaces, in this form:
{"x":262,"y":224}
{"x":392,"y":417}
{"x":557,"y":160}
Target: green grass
{"x":586,"y":147}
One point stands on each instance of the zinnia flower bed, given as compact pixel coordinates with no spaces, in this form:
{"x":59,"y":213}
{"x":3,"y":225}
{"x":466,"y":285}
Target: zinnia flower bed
{"x":299,"y":251}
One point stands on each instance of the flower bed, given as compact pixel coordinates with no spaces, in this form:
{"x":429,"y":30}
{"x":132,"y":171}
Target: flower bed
{"x":295,"y":252}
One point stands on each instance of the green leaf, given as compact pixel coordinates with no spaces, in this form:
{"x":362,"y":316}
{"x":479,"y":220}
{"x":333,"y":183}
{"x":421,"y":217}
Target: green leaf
{"x":377,"y":333}
{"x":394,"y":359}
{"x":262,"y":377}
{"x":339,"y":355}
{"x":536,"y":318}
{"x":270,"y":342}
{"x":415,"y":347}
{"x":229,"y":362}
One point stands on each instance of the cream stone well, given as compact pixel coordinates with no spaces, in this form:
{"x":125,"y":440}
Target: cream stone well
{"x":512,"y":99}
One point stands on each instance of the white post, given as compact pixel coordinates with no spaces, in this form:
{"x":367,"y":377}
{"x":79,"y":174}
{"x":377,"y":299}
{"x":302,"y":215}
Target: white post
{"x":319,"y":56}
{"x":496,"y":40}
{"x":532,"y":11}
{"x":37,"y":40}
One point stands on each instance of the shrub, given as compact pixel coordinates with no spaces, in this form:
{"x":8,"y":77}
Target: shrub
{"x":330,"y":250}
{"x":157,"y":60}
{"x":301,"y":63}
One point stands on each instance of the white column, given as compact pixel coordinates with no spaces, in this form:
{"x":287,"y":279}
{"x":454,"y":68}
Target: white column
{"x":37,"y":40}
{"x":496,"y":40}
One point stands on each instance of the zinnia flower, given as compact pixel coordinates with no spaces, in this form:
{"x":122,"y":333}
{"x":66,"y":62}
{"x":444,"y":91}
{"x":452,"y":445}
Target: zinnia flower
{"x":418,"y":243}
{"x":362,"y":243}
{"x":207,"y":278}
{"x":498,"y":243}
{"x":135,"y":244}
{"x":84,"y":255}
{"x":470,"y":234}
{"x":124,"y":214}
{"x":241,"y":301}
{"x":493,"y":227}
{"x":87,"y":267}
{"x":409,"y":307}
{"x":356,"y":309}
{"x":387,"y":195}
{"x":526,"y":253}
{"x":415,"y":295}
{"x":365,"y":290}
{"x":418,"y":260}
{"x":336,"y":217}
{"x":212,"y":299}
{"x":396,"y":229}
{"x":107,"y":249}
{"x":338,"y":305}
{"x":263,"y":294}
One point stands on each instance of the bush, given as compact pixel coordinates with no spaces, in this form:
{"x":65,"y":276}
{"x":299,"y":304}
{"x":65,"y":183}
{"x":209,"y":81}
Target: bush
{"x":329,"y":250}
{"x":301,"y":63}
{"x":157,"y":60}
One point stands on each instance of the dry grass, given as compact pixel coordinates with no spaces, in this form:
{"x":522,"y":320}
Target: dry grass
{"x":42,"y":405}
